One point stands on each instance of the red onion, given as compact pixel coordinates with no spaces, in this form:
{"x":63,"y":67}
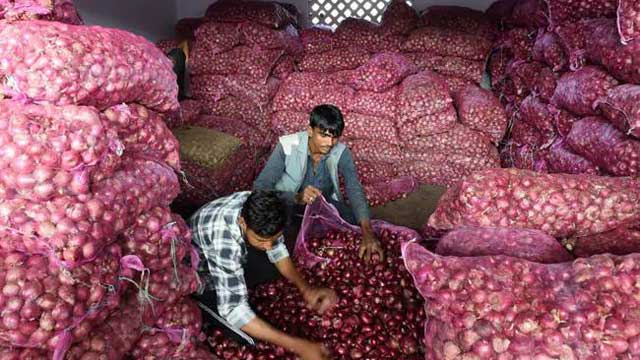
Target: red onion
{"x":532,"y":199}
{"x":551,"y":314}
{"x":44,"y":299}
{"x":109,"y":77}
{"x":357,"y":326}
{"x":447,"y":42}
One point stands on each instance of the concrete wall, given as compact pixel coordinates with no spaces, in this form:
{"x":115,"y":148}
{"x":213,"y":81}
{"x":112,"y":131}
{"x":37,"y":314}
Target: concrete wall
{"x":474,"y":4}
{"x":153,"y":19}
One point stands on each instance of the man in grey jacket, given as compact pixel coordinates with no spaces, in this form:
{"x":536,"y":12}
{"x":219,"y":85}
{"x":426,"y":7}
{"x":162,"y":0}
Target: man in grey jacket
{"x":308,"y":164}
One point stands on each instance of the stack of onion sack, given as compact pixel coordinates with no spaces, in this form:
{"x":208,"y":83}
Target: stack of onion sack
{"x":554,"y":77}
{"x":88,"y":173}
{"x":452,"y":41}
{"x":437,"y":148}
{"x":393,"y":117}
{"x":589,"y":214}
{"x":51,"y":10}
{"x":241,"y":52}
{"x":47,"y":307}
{"x":499,"y":307}
{"x":367,"y":97}
{"x":355,"y":40}
{"x":160,"y":320}
{"x":219,"y":156}
{"x":379,"y":314}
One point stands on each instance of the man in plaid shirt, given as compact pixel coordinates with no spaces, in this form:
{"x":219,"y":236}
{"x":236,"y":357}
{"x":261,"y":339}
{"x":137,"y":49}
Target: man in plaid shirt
{"x":233,"y":234}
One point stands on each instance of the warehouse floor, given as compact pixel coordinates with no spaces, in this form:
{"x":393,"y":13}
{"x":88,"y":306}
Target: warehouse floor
{"x":413,"y":210}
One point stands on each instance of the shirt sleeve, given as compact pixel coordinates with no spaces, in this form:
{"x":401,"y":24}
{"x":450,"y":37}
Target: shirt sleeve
{"x":272,"y":173}
{"x":353,"y":188}
{"x":231,"y":289}
{"x":278,"y":251}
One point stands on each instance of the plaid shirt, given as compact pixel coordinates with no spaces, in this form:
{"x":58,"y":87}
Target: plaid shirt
{"x":223,"y":252}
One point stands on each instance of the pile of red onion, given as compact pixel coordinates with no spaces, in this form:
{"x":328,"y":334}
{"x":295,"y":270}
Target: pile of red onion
{"x":379,"y":314}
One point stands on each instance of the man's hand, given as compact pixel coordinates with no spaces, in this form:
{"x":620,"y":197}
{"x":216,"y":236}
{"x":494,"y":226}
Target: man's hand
{"x":313,"y":351}
{"x":319,"y":299}
{"x":370,"y":246}
{"x":308,"y":195}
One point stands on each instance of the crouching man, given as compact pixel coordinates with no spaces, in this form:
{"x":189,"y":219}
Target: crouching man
{"x":239,"y":238}
{"x":308,"y":164}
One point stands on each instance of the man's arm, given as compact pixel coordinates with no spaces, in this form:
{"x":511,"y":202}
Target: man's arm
{"x":279,"y":256}
{"x":353,"y":188}
{"x":359,"y":204}
{"x":307,"y":350}
{"x":318,"y":299}
{"x":233,"y":306}
{"x":288,"y":270}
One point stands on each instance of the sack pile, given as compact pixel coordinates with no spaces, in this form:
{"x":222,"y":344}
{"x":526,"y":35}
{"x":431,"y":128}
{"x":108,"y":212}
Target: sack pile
{"x":568,"y":76}
{"x":498,"y":306}
{"x":240,"y":53}
{"x":396,"y":109}
{"x":452,"y":41}
{"x":374,"y":73}
{"x":93,"y":261}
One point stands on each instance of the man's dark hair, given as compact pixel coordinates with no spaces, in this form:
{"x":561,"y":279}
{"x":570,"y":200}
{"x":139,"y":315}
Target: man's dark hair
{"x":328,"y":119}
{"x":264,"y":213}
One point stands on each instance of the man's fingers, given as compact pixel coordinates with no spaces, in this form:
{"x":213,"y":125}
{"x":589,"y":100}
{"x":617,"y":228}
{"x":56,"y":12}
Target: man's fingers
{"x":367,"y":254}
{"x":313,"y":190}
{"x":325,"y":352}
{"x":380,"y":253}
{"x":361,"y":251}
{"x":310,"y":194}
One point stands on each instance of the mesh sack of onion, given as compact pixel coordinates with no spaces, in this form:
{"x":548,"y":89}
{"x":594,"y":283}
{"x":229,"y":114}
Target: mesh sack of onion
{"x":603,"y":144}
{"x":532,"y":245}
{"x":559,"y":204}
{"x":501,"y":307}
{"x":64,"y":64}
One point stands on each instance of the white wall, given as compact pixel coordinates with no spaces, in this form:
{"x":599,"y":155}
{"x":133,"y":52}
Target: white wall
{"x":153,"y":19}
{"x":196,"y":8}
